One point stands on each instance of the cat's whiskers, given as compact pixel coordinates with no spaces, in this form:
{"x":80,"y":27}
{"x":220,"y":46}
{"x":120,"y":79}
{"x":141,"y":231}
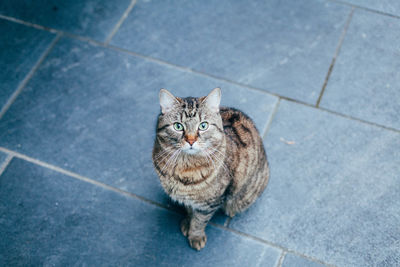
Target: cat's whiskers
{"x":214,"y":158}
{"x":167,"y":155}
{"x":209,"y":159}
{"x":217,"y":150}
{"x":169,"y":160}
{"x":218,"y":159}
{"x":165,"y":151}
{"x":176,"y":157}
{"x":172,"y":160}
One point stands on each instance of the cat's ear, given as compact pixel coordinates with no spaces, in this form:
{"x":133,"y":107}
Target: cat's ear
{"x":213,"y":99}
{"x":167,"y":101}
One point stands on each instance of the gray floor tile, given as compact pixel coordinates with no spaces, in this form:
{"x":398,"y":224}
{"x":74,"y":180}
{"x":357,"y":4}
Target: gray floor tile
{"x":92,"y":18}
{"x":284,"y":47}
{"x":3,"y":156}
{"x":20,"y":48}
{"x":365,"y":82}
{"x":93,"y":110}
{"x":333,"y":193}
{"x":292,"y":260}
{"x":386,"y":6}
{"x":49,"y":219}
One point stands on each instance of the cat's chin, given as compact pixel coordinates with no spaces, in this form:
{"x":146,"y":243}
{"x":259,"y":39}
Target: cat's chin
{"x":191,"y":151}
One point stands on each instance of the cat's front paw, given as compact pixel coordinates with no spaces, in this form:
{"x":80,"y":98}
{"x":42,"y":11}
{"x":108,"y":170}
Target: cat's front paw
{"x":197,"y":242}
{"x":185,"y":224}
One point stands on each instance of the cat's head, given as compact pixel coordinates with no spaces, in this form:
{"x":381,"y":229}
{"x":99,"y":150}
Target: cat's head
{"x":192,"y":125}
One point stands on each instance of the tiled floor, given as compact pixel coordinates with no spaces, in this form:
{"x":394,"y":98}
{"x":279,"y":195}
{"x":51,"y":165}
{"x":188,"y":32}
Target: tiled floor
{"x":78,"y":104}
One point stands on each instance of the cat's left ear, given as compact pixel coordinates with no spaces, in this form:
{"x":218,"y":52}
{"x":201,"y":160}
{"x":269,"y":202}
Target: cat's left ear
{"x":167,"y":101}
{"x":213,"y":99}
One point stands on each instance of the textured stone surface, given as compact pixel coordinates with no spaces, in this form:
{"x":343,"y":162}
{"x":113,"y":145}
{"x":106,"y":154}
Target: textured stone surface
{"x":3,"y":156}
{"x":388,"y":6}
{"x":47,"y":218}
{"x":333,"y":193}
{"x":365,"y":82}
{"x":93,"y":111}
{"x":20,"y":49}
{"x":334,"y":190}
{"x":92,"y":18}
{"x":292,"y":260}
{"x":284,"y":47}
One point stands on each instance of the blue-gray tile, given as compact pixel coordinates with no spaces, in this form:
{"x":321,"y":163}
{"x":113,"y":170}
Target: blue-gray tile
{"x":92,"y":18}
{"x":365,"y":82}
{"x":92,"y":110}
{"x":387,"y":6}
{"x":292,"y":260}
{"x":3,"y":157}
{"x":280,"y":46}
{"x":333,"y":193}
{"x":20,"y":48}
{"x":47,"y":218}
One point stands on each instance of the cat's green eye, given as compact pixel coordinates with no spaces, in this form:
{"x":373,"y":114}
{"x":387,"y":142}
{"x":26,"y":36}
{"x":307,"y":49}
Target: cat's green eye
{"x":203,"y":126}
{"x":178,"y":126}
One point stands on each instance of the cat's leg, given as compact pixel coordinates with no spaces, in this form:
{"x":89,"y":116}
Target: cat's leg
{"x":196,"y":234}
{"x":185,"y":223}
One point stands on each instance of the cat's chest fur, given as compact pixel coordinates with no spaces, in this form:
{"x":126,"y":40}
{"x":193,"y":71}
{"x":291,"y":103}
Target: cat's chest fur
{"x":195,"y":186}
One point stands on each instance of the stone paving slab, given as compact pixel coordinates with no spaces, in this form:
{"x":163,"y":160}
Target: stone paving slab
{"x":365,"y":82}
{"x":93,"y":18}
{"x":387,"y":6}
{"x":93,"y":110}
{"x":333,"y":192}
{"x":284,"y":47}
{"x":55,"y":220}
{"x":3,"y":157}
{"x":20,"y":49}
{"x":333,"y":195}
{"x":292,"y":260}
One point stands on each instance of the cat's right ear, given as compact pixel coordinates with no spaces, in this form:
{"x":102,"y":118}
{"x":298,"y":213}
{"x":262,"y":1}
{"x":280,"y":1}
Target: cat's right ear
{"x":167,"y":101}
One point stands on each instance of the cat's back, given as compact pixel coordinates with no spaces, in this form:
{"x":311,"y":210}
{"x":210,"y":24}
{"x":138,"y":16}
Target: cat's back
{"x":245,"y":158}
{"x":239,"y":128}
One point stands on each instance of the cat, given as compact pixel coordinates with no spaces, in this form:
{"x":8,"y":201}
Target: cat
{"x":207,"y":157}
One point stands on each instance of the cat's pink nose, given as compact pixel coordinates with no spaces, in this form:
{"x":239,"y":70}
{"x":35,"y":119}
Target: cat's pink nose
{"x":190,"y":139}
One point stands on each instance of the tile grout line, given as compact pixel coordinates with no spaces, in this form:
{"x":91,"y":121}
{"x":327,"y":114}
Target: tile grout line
{"x":366,"y":9}
{"x":228,"y":222}
{"x":271,"y":244}
{"x":190,"y":70}
{"x":119,"y":23}
{"x":281,"y":258}
{"x":125,"y":51}
{"x":13,"y":154}
{"x":29,"y":24}
{"x":332,"y":112}
{"x":93,"y":42}
{"x":185,"y":69}
{"x":21,"y":86}
{"x":6,"y":162}
{"x":274,"y":111}
{"x":337,"y":51}
{"x":81,"y":177}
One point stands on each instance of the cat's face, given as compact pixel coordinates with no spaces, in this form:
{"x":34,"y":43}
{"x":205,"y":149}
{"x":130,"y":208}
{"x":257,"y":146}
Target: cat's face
{"x":190,"y":125}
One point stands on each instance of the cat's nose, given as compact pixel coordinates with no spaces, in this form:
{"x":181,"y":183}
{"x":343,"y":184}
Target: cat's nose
{"x":190,"y":139}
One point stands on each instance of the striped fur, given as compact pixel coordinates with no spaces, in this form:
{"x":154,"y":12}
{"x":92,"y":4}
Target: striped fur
{"x":226,"y":167}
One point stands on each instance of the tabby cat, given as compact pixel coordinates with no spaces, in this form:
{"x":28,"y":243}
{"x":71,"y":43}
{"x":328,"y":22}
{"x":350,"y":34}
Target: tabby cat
{"x":207,"y":157}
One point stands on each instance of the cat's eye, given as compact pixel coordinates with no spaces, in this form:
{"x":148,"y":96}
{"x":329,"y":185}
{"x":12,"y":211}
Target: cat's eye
{"x":203,"y":126}
{"x":178,"y":126}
